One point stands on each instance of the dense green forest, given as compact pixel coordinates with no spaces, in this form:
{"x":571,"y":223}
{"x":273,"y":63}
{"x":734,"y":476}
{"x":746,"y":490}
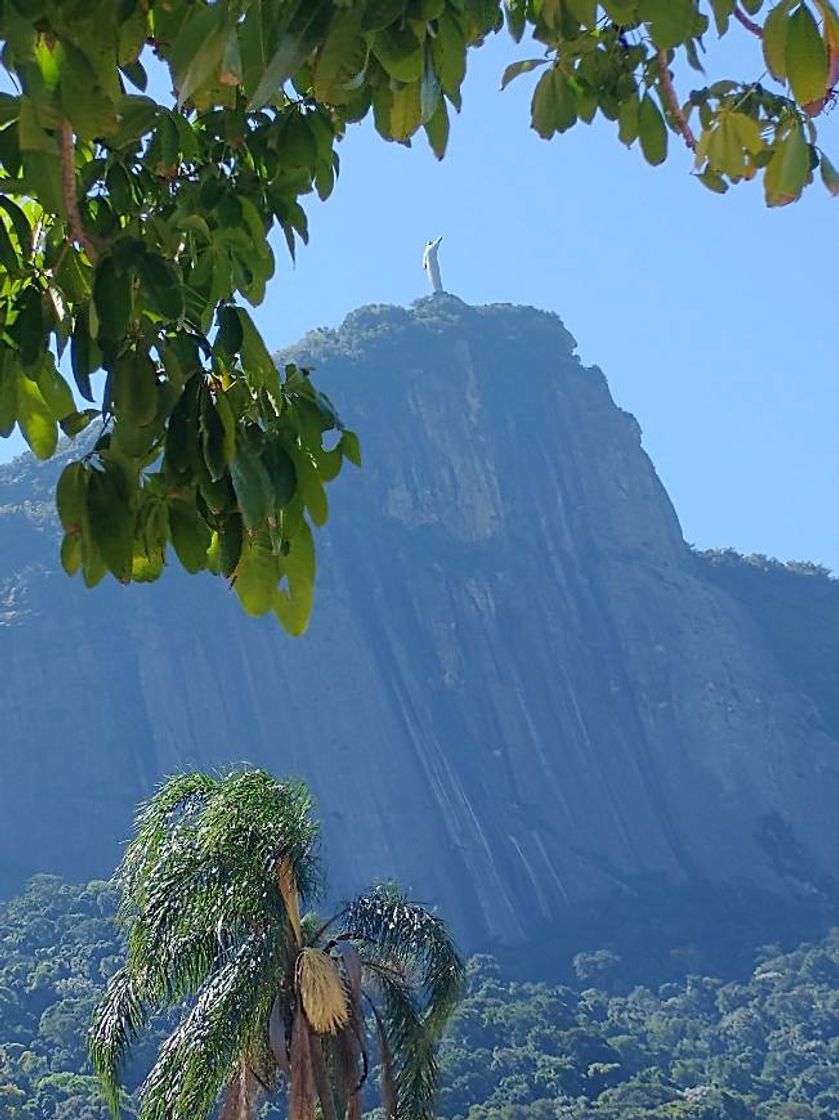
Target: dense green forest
{"x":764,"y":1044}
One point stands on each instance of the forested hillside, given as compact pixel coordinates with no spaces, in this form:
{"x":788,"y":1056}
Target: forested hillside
{"x":763,"y":1044}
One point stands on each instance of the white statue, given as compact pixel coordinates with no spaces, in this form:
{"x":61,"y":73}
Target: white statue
{"x":431,"y":266}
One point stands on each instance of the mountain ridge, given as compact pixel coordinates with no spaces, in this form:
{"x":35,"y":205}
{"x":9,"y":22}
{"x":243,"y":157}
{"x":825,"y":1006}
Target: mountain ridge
{"x":522,"y":693}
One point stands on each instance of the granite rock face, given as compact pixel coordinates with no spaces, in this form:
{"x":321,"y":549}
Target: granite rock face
{"x":520,"y":693}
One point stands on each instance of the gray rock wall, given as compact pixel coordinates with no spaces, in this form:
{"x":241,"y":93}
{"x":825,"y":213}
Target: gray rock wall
{"x":519,"y":693}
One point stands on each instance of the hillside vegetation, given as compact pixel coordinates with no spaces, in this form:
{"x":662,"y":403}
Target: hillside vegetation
{"x":763,"y":1045}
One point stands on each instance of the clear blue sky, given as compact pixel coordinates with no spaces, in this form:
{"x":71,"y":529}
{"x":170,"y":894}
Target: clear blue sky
{"x":713,"y":318}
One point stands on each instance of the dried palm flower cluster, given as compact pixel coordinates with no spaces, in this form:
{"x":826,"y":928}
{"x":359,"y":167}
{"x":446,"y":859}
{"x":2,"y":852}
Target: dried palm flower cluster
{"x":214,"y":884}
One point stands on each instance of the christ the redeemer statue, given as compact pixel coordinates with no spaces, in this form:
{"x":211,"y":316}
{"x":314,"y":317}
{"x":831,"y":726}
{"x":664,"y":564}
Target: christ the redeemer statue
{"x":429,"y":263}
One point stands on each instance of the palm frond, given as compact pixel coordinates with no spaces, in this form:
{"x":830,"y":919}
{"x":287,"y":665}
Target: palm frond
{"x":255,"y":821}
{"x":172,"y":807}
{"x":201,"y":870}
{"x":224,"y":1026}
{"x":385,"y":920}
{"x":322,"y":995}
{"x":411,"y":1048}
{"x":410,"y":961}
{"x":387,"y":1080}
{"x":121,"y":1015}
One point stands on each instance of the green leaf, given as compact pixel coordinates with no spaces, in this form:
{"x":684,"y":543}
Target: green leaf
{"x":8,"y":395}
{"x":775,"y":40}
{"x":8,"y":255}
{"x":257,"y":363}
{"x":190,"y":535}
{"x":162,"y":286}
{"x":311,"y":489}
{"x":788,"y":170}
{"x":71,"y":497}
{"x":228,"y":340}
{"x":231,"y":539}
{"x":20,"y":224}
{"x":293,"y":604}
{"x":341,"y":58}
{"x":253,"y":488}
{"x":35,"y":419}
{"x":623,"y":12}
{"x":382,"y":13}
{"x":713,"y":181}
{"x":448,"y":51}
{"x":405,"y":112}
{"x":584,"y":11}
{"x":85,"y":356}
{"x":628,"y":119}
{"x":150,"y":541}
{"x":198,"y":50}
{"x":256,"y":579}
{"x":54,"y":389}
{"x":723,"y":10}
{"x":553,"y":107}
{"x":400,"y":53}
{"x":670,"y":21}
{"x":350,"y":447}
{"x":182,"y":433}
{"x":437,"y":129}
{"x":29,"y":329}
{"x":805,"y":57}
{"x":523,"y":66}
{"x":112,"y":300}
{"x":111,"y":518}
{"x":214,"y":444}
{"x":280,"y":469}
{"x":84,"y":101}
{"x":76,"y":422}
{"x":71,"y":553}
{"x":32,"y":137}
{"x":430,"y":90}
{"x":228,"y":423}
{"x":652,"y":131}
{"x":830,"y":176}
{"x":42,"y":173}
{"x":135,"y":387}
{"x":295,"y":44}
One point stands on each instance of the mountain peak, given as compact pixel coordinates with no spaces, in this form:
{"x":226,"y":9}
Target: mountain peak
{"x":521,"y":692}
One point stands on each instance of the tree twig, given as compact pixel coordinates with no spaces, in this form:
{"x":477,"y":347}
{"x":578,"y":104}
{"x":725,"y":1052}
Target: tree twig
{"x":66,"y":150}
{"x":672,"y":100}
{"x":749,"y":24}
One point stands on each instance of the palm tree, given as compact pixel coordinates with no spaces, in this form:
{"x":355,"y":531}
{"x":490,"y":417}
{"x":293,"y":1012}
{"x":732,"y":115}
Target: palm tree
{"x":213,"y":886}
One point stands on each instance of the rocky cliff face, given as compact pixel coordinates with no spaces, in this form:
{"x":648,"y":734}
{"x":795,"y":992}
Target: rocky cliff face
{"x":521,"y":693}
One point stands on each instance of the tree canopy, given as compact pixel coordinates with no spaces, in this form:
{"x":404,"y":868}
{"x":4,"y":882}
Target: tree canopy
{"x":213,"y":886}
{"x":134,"y":229}
{"x":757,"y":1041}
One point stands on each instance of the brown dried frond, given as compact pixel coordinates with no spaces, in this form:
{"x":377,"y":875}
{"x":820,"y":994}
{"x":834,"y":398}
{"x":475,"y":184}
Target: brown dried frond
{"x":321,"y":1076}
{"x":301,"y":1086}
{"x":348,"y":1051}
{"x":321,"y":991}
{"x":387,"y":1078}
{"x":277,"y":1037}
{"x":243,"y":1097}
{"x":287,"y":883}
